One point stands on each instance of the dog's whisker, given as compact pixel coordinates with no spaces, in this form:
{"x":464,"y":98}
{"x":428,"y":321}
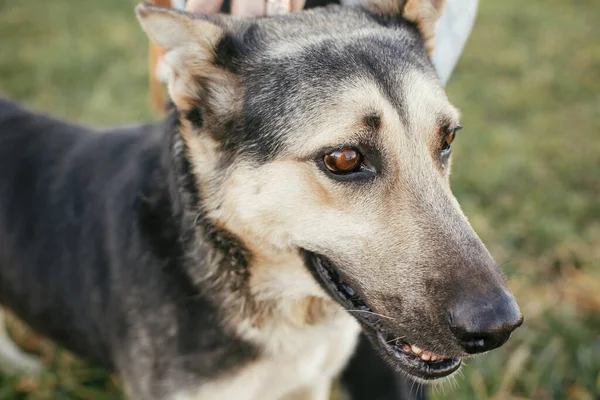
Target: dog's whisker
{"x":371,"y":312}
{"x":197,"y":218}
{"x":398,"y":338}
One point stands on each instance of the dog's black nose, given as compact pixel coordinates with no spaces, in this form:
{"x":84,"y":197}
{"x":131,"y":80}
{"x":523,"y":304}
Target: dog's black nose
{"x":482,"y":323}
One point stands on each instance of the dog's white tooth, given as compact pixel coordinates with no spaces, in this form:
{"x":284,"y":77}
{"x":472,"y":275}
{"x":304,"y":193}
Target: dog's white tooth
{"x":434,"y":358}
{"x":415,"y":349}
{"x":425,"y":356}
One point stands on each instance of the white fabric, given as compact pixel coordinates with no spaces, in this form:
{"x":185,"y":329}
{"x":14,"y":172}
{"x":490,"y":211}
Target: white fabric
{"x":452,"y":31}
{"x":178,"y":4}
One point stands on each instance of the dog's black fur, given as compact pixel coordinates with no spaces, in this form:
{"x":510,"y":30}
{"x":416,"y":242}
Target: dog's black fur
{"x":118,"y":197}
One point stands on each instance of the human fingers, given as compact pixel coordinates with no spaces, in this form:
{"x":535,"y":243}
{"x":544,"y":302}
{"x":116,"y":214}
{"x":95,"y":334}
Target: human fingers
{"x":204,"y":6}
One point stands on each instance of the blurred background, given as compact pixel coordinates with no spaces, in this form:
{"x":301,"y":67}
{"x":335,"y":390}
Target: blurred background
{"x":526,"y":170}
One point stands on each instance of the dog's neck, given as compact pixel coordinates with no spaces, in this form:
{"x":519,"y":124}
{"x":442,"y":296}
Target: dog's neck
{"x":226,"y":253}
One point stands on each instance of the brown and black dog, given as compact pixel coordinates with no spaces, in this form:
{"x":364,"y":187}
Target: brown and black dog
{"x":296,"y":195}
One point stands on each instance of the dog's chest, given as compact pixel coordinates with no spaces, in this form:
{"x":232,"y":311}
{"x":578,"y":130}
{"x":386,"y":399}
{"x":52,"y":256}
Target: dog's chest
{"x":305,"y":358}
{"x":293,"y":360}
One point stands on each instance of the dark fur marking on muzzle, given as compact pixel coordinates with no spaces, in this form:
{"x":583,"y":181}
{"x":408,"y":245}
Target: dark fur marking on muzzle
{"x":328,"y":277}
{"x":394,"y":350}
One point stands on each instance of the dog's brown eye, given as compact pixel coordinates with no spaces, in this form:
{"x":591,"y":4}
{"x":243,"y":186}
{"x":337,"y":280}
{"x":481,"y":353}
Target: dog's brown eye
{"x":449,"y":138}
{"x":343,"y":161}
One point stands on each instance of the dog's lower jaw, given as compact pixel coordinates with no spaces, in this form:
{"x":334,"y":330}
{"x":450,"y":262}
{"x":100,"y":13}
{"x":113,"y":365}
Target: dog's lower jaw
{"x":410,"y":359}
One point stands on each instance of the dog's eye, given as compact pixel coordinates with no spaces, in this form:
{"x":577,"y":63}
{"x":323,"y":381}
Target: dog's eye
{"x":343,"y":161}
{"x":449,"y":138}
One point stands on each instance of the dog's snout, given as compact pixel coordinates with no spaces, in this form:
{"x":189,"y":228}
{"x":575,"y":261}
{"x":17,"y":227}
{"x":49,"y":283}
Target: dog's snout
{"x":483,"y":323}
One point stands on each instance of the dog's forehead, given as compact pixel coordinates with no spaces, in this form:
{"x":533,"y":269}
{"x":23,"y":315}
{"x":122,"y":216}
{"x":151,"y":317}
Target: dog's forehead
{"x":290,"y":34}
{"x":332,"y":20}
{"x":319,"y":51}
{"x":316,"y":73}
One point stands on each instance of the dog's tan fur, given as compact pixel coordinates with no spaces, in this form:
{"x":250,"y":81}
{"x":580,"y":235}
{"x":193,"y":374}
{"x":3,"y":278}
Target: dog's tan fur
{"x":425,"y":13}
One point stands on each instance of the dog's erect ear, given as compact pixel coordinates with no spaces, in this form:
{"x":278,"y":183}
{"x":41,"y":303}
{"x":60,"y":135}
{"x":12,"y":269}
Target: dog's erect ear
{"x":172,"y":29}
{"x":424,"y":13}
{"x":190,"y":42}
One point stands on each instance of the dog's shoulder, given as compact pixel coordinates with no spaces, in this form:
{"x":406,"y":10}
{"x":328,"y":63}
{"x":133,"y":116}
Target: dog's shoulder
{"x":66,"y":185}
{"x":18,"y":120}
{"x":8,"y":108}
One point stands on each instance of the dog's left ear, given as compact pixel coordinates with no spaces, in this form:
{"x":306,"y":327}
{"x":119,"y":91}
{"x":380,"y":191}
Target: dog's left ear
{"x":424,"y":13}
{"x":190,"y":42}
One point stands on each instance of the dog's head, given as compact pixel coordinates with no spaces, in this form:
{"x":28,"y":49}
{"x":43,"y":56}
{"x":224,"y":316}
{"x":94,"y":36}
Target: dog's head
{"x":322,"y":139}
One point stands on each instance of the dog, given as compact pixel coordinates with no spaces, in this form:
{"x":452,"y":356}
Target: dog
{"x":296,"y":195}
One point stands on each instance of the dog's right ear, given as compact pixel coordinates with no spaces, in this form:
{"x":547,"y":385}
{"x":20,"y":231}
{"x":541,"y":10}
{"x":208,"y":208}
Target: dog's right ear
{"x":190,"y":41}
{"x":424,"y":13}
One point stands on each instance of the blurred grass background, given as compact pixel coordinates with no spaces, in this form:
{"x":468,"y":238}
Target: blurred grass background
{"x":526,"y":170}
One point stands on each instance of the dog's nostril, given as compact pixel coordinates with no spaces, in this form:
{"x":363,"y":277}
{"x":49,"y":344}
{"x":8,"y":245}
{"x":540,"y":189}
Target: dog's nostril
{"x":474,"y":343}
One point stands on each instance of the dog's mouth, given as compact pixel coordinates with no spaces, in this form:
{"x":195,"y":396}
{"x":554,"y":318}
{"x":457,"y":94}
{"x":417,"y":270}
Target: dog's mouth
{"x":417,"y":362}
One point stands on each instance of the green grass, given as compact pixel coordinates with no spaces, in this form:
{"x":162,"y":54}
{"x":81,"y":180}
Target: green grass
{"x":526,"y":170}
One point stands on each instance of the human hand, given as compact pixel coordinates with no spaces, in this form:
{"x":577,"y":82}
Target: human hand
{"x":246,"y":8}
